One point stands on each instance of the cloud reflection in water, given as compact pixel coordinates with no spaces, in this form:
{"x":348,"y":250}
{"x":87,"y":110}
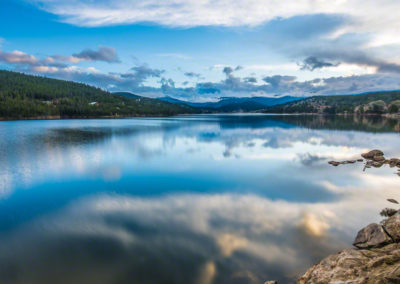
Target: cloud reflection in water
{"x":177,"y":239}
{"x":207,"y":199}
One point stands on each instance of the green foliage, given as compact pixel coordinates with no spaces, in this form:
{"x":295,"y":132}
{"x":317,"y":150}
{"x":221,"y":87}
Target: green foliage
{"x":373,"y":103}
{"x":23,"y":96}
{"x":377,"y":107}
{"x":394,"y":107}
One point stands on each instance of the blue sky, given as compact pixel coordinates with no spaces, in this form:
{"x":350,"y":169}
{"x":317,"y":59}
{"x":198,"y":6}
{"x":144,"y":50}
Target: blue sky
{"x":202,"y":50}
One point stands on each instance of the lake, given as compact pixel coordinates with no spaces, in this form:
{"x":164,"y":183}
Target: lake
{"x":187,"y":199}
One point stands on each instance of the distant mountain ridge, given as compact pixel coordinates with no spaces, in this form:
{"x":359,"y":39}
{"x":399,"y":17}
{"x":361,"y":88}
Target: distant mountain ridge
{"x":26,"y":96}
{"x":236,"y":104}
{"x":128,"y":95}
{"x":368,"y":103}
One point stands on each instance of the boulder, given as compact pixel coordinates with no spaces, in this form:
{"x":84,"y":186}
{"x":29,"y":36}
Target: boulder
{"x":392,"y":227}
{"x":374,"y":266}
{"x":371,"y":154}
{"x":388,"y":212}
{"x":379,"y":158}
{"x":371,"y":236}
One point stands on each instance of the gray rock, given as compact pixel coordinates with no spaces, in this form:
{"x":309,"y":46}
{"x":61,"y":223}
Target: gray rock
{"x":379,"y":158}
{"x":388,"y":212}
{"x":375,"y":266}
{"x":371,"y":154}
{"x":394,"y":162}
{"x":371,"y":236}
{"x":392,"y":227}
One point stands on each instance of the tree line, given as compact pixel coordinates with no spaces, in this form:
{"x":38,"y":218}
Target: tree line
{"x":23,"y":96}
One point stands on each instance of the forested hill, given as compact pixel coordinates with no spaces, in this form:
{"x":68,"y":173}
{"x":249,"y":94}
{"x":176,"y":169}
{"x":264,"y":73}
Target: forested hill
{"x":26,"y":96}
{"x":370,"y":103}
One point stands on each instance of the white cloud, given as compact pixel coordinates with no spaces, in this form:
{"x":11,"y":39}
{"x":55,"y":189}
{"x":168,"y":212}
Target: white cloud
{"x":17,"y":57}
{"x":368,"y":16}
{"x":45,"y":69}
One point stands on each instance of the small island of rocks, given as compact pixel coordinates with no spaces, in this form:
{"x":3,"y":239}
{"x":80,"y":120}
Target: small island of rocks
{"x":374,"y":158}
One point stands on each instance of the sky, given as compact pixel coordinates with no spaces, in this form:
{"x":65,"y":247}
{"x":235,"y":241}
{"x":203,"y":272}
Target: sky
{"x":201,"y":50}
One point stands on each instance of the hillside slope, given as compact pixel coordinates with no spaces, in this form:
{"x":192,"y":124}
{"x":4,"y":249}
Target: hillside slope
{"x":370,"y":103}
{"x":26,"y":96}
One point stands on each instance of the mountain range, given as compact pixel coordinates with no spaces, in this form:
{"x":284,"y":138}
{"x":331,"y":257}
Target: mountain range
{"x":26,"y":96}
{"x":368,"y":103}
{"x":235,"y":104}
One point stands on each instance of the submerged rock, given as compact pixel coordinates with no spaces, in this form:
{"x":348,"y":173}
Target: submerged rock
{"x":334,"y":163}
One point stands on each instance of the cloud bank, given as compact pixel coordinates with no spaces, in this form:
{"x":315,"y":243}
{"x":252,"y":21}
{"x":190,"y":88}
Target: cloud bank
{"x":350,"y":47}
{"x":368,"y":16}
{"x":232,"y":85}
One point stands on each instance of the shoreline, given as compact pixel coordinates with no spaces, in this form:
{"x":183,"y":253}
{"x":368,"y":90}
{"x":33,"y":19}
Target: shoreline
{"x":388,"y":115}
{"x":61,"y":117}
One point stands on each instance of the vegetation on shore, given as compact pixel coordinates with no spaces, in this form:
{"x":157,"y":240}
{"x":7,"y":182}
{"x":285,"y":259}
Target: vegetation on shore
{"x":371,"y":103}
{"x":27,"y":96}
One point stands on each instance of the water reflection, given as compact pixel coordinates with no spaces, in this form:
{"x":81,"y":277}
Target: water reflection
{"x":175,"y":239}
{"x":196,"y":199}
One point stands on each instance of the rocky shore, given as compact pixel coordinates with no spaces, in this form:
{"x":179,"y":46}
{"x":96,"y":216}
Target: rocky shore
{"x":375,"y":258}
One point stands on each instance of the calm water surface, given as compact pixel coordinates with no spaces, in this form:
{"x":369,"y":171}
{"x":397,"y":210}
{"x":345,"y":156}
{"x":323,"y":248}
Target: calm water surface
{"x":193,"y":199}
